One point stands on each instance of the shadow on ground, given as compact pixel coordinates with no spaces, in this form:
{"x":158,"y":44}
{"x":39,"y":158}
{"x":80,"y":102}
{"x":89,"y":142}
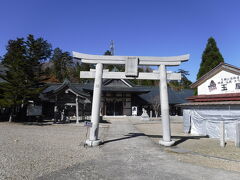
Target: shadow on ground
{"x":41,"y":123}
{"x":51,"y":122}
{"x":179,"y":139}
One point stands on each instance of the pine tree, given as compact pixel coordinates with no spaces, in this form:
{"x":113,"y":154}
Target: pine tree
{"x":62,"y":63}
{"x":184,"y":83}
{"x":15,"y":77}
{"x":211,"y":57}
{"x":108,"y":53}
{"x":22,"y":78}
{"x":113,"y":67}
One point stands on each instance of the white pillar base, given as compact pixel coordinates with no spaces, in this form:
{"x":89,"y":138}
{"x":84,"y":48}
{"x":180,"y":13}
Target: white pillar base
{"x":93,"y":143}
{"x":166,"y":143}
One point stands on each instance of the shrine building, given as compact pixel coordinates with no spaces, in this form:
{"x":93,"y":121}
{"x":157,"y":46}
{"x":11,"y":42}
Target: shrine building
{"x":118,"y":98}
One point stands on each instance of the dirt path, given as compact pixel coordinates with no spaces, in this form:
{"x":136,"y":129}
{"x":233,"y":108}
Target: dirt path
{"x":194,"y":149}
{"x":130,"y":154}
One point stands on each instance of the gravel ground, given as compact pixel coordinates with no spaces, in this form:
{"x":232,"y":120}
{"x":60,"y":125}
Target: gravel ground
{"x":129,"y":155}
{"x":194,"y":149}
{"x":30,"y":151}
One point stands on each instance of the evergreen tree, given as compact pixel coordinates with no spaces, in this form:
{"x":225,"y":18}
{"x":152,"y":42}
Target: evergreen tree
{"x":83,"y":67}
{"x":211,"y":57}
{"x":15,"y":78}
{"x":113,"y":67}
{"x":62,"y":64}
{"x":37,"y":52}
{"x":108,"y":53}
{"x":184,"y":83}
{"x":22,"y":78}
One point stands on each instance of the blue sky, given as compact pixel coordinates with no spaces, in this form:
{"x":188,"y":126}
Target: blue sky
{"x":138,"y":27}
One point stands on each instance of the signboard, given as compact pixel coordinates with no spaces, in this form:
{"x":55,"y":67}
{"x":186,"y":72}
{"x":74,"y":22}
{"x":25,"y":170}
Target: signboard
{"x":87,"y":124}
{"x":134,"y":110}
{"x":223,"y":82}
{"x":131,"y":67}
{"x":34,"y":110}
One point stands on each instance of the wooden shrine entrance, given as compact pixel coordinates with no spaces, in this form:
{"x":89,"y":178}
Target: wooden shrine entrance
{"x":114,"y":108}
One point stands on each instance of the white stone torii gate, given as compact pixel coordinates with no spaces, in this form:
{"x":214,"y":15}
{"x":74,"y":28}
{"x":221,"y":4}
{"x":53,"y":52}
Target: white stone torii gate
{"x":131,"y":72}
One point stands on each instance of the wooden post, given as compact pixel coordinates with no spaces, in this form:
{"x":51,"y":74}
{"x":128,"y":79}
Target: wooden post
{"x":222,"y":134}
{"x":77,"y":110}
{"x":237,"y":137}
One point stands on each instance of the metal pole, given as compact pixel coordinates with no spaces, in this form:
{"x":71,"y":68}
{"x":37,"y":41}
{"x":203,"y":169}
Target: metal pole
{"x":77,"y":109}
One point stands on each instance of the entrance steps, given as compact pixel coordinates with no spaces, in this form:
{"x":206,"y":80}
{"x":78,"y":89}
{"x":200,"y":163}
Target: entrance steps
{"x":172,"y":118}
{"x":120,"y":117}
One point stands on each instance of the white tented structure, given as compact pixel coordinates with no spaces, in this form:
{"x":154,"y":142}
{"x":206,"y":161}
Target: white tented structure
{"x":215,"y":111}
{"x":206,"y":120}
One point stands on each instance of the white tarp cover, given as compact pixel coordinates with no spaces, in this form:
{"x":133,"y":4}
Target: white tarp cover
{"x":206,"y":120}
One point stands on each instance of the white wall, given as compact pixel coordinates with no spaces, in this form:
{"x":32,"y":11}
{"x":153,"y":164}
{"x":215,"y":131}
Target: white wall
{"x":222,"y":83}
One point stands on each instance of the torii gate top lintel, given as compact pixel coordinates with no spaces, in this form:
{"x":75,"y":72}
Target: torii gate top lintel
{"x":143,"y":60}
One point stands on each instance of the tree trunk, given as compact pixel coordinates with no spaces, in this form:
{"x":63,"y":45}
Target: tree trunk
{"x":11,"y":115}
{"x":10,"y":118}
{"x":22,"y":112}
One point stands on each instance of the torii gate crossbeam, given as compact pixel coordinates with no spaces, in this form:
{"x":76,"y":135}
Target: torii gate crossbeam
{"x":131,"y":65}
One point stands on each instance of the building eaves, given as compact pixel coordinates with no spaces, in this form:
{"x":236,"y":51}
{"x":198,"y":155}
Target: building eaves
{"x":215,"y":97}
{"x":55,"y":88}
{"x":174,"y":97}
{"x":214,"y":71}
{"x":121,"y":89}
{"x":190,"y":104}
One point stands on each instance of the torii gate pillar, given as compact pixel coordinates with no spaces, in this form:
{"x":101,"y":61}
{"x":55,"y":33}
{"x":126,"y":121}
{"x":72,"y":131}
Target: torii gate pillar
{"x":166,"y":141}
{"x":93,"y":137}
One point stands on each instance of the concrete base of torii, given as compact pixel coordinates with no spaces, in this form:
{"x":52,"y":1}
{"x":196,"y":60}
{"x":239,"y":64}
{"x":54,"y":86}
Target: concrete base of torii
{"x":166,"y":143}
{"x":93,"y":143}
